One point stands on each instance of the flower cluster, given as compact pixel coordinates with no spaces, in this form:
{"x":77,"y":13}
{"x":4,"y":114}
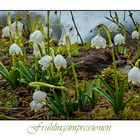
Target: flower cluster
{"x":59,"y":61}
{"x":38,"y":98}
{"x":15,"y":28}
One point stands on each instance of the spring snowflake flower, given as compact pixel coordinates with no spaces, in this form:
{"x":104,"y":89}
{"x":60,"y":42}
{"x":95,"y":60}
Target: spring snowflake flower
{"x":60,"y":61}
{"x":135,"y":35}
{"x":134,"y":75}
{"x":36,"y":106}
{"x":6,"y":30}
{"x":15,"y":50}
{"x":19,"y":27}
{"x":119,"y":39}
{"x":113,"y":27}
{"x":36,"y":50}
{"x":45,"y":61}
{"x":39,"y":96}
{"x":98,"y":41}
{"x":37,"y":37}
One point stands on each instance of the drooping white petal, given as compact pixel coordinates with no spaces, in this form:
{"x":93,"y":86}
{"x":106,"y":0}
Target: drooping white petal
{"x":60,"y":61}
{"x":15,"y":50}
{"x":135,"y":35}
{"x":113,"y":27}
{"x":134,"y":75}
{"x":37,"y":37}
{"x":19,"y":26}
{"x":98,"y":41}
{"x":6,"y":32}
{"x":45,"y":61}
{"x":39,"y":96}
{"x":119,"y":39}
{"x":36,"y":106}
{"x":36,"y":50}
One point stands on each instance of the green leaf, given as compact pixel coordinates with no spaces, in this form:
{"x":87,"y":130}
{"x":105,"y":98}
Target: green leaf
{"x":109,"y":89}
{"x":88,"y":93}
{"x":121,"y":93}
{"x":34,"y":24}
{"x":106,"y":96}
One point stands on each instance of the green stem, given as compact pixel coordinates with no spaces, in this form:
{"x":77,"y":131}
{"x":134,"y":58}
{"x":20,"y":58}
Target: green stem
{"x":115,"y":70}
{"x":48,"y":31}
{"x":72,"y":64}
{"x":107,"y":33}
{"x":36,"y":84}
{"x":62,"y":91}
{"x":13,"y":62}
{"x":36,"y":68}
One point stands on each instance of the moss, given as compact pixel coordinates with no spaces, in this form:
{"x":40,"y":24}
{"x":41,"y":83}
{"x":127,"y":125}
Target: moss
{"x":108,"y":75}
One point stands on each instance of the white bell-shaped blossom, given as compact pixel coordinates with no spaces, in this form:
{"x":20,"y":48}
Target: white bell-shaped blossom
{"x":15,"y":50}
{"x":36,"y":50}
{"x":45,"y":61}
{"x":6,"y":32}
{"x":98,"y":41}
{"x":39,"y":96}
{"x":135,"y":35}
{"x":119,"y":39}
{"x":36,"y":106}
{"x":60,"y":61}
{"x":37,"y":37}
{"x":19,"y":27}
{"x":134,"y":75}
{"x":113,"y":27}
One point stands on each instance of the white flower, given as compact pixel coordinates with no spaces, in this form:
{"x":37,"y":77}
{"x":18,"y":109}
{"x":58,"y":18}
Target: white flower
{"x":119,"y":39}
{"x":15,"y":50}
{"x":60,"y":61}
{"x":19,"y":27}
{"x":134,"y":75}
{"x":36,"y":50}
{"x":98,"y":41}
{"x":39,"y":96}
{"x":45,"y":61}
{"x":36,"y":106}
{"x":113,"y":27}
{"x":37,"y":37}
{"x":135,"y":35}
{"x":6,"y":32}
